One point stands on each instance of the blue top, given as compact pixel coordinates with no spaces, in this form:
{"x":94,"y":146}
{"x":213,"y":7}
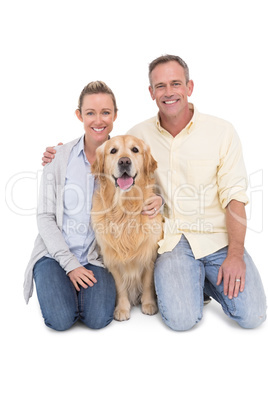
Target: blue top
{"x":78,"y":192}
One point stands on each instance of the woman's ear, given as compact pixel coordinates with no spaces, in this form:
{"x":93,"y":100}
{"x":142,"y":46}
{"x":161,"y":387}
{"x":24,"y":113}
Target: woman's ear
{"x":78,"y":115}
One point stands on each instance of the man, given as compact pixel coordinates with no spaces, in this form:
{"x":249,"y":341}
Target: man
{"x":203,"y":180}
{"x":202,"y":177}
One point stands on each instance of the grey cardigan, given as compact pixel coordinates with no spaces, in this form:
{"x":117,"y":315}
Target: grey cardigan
{"x":49,"y":220}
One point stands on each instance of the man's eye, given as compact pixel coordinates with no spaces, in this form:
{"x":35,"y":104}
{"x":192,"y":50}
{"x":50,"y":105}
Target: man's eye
{"x":113,"y":151}
{"x":135,"y":150}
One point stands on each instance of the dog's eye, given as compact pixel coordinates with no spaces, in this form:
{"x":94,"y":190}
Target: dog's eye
{"x":113,"y":151}
{"x":135,"y":150}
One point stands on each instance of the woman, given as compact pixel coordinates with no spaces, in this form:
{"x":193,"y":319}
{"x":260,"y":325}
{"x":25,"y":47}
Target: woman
{"x":66,"y":242}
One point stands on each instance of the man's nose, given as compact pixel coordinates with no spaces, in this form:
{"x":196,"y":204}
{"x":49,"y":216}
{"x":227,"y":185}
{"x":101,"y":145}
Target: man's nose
{"x":169,"y":91}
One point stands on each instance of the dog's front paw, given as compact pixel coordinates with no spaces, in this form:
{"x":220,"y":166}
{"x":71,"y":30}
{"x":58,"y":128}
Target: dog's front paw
{"x":149,"y":308}
{"x":121,"y":314}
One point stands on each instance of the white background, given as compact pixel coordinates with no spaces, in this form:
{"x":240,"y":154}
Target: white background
{"x":49,"y":51}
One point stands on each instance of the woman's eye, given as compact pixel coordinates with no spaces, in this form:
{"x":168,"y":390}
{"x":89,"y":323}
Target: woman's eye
{"x":113,"y":151}
{"x":135,"y":150}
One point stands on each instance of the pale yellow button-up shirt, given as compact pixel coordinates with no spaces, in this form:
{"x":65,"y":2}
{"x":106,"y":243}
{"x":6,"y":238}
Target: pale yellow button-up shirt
{"x":199,"y":172}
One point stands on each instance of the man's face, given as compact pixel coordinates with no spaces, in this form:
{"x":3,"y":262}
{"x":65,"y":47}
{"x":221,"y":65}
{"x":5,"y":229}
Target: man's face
{"x":169,"y":89}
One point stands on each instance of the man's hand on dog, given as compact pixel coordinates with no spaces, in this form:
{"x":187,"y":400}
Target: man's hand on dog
{"x":49,"y":154}
{"x":83,"y":277}
{"x":152,"y":205}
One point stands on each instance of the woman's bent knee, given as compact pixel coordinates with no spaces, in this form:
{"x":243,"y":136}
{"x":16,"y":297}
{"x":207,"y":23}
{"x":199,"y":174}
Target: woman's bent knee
{"x":97,"y":322}
{"x":59,"y":324}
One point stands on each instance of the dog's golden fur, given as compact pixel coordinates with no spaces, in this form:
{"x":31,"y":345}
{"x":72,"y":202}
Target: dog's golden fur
{"x":127,"y":238}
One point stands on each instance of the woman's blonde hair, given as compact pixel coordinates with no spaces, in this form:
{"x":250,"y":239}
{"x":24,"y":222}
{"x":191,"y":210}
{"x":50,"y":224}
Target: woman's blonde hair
{"x":96,"y":87}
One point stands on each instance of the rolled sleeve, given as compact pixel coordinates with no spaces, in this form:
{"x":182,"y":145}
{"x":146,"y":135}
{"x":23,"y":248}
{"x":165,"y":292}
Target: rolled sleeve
{"x":232,"y":175}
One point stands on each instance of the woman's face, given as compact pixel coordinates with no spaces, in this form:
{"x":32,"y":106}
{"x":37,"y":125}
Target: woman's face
{"x":98,"y":115}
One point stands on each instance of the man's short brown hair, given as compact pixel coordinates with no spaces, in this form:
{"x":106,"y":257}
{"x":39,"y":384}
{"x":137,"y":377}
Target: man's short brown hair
{"x":165,"y":59}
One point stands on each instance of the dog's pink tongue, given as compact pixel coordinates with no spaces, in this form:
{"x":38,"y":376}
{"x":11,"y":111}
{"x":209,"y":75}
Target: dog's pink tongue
{"x":124,"y":182}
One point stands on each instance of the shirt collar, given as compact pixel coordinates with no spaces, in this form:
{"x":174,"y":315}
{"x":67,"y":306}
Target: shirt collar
{"x":189,"y":126}
{"x":79,"y":146}
{"x":79,"y":149}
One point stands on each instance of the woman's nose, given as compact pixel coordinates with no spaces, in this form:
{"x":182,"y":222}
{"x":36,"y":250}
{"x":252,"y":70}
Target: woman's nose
{"x":98,"y":118}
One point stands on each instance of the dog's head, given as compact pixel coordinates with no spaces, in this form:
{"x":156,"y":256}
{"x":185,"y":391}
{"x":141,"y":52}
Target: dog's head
{"x":125,"y":159}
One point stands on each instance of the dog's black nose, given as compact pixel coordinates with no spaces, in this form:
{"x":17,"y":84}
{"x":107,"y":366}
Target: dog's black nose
{"x":125,"y":161}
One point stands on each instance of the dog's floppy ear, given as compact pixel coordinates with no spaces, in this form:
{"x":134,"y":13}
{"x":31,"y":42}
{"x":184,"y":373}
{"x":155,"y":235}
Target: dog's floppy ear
{"x":150,"y":163}
{"x":97,"y":168}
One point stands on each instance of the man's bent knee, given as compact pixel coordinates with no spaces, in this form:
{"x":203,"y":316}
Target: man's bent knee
{"x":252,"y":322}
{"x":181,"y":322}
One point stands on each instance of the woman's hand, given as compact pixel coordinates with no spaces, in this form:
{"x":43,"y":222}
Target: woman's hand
{"x":83,"y":277}
{"x":152,"y":205}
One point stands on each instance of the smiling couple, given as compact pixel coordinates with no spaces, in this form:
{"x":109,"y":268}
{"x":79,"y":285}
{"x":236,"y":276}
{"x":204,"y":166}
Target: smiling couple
{"x":193,"y":151}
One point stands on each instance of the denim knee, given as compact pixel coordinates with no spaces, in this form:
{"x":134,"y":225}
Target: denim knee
{"x":180,"y":319}
{"x":98,"y":322}
{"x":178,"y":325}
{"x":97,"y":303}
{"x":251,"y":303}
{"x":252,"y":320}
{"x":59,"y":323}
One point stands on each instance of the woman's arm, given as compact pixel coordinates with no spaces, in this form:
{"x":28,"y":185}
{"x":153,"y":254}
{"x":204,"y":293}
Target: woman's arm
{"x":50,"y":214}
{"x":49,"y":207}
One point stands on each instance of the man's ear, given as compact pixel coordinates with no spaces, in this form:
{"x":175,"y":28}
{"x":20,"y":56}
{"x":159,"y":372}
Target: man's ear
{"x":151,"y":92}
{"x":190,"y":86}
{"x":78,"y":115}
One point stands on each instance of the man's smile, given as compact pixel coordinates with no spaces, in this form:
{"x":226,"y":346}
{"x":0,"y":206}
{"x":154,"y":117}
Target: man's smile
{"x":170,"y":102}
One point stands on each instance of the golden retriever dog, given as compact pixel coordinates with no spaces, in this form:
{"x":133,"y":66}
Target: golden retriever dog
{"x":127,"y":239}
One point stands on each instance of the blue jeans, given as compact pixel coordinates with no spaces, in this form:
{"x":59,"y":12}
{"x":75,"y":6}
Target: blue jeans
{"x":62,"y":305}
{"x":180,"y":280}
